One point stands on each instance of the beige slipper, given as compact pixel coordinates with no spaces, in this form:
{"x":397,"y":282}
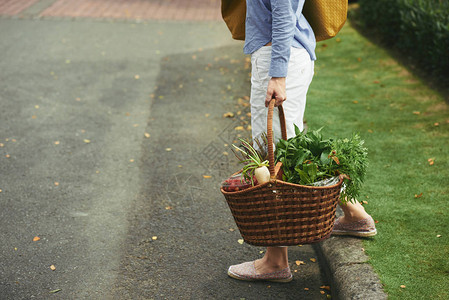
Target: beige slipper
{"x":247,"y":271}
{"x":361,"y":228}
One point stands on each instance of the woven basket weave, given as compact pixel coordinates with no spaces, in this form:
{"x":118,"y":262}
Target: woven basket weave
{"x":279,"y":213}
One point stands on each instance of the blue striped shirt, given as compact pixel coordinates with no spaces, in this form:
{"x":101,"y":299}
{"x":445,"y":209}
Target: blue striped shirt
{"x":282,"y":23}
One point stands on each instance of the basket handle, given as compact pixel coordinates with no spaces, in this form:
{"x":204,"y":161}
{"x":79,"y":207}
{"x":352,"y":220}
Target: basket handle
{"x":270,"y":134}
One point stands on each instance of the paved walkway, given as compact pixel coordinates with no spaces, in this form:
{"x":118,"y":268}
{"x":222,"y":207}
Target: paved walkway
{"x":193,"y":10}
{"x":112,"y":149}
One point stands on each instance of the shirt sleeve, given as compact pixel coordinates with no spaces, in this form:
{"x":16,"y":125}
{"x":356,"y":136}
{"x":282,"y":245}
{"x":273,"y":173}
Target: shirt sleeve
{"x":283,"y":30}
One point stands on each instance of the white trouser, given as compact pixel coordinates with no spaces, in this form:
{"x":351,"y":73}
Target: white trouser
{"x":299,"y":77}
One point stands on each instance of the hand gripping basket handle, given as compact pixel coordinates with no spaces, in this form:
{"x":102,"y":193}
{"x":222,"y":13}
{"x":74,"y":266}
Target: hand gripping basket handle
{"x":270,"y":133}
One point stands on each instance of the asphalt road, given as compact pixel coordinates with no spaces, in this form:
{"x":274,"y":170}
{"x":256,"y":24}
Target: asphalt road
{"x":112,"y":146}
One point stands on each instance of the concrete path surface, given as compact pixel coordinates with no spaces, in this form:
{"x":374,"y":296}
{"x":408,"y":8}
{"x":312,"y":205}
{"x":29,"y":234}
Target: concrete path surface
{"x":112,"y":149}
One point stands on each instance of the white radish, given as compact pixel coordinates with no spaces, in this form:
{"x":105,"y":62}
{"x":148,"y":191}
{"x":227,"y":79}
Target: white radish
{"x":262,"y":174}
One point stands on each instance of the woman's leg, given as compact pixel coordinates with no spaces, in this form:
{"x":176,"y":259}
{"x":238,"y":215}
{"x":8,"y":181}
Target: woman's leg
{"x":355,"y":221}
{"x":300,"y":73}
{"x":275,"y":259}
{"x":353,"y":212}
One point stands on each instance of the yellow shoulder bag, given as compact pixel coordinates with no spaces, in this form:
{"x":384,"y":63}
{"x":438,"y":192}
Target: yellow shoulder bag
{"x":326,"y":17}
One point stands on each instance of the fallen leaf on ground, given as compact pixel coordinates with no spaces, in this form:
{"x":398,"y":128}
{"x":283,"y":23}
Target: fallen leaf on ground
{"x":240,"y":241}
{"x":431,"y":161}
{"x":306,"y":289}
{"x":55,"y":291}
{"x":154,"y":238}
{"x":52,"y":267}
{"x":56,"y":183}
{"x":168,"y":149}
{"x":436,"y":124}
{"x":326,"y":287}
{"x":147,"y":135}
{"x":438,"y":235}
{"x":299,"y":262}
{"x":355,"y":101}
{"x":131,"y":160}
{"x":168,"y":207}
{"x":402,"y":286}
{"x":313,"y":259}
{"x":207,"y":176}
{"x":322,"y":292}
{"x":416,"y":112}
{"x":136,"y":76}
{"x":207,"y":115}
{"x":36,"y":238}
{"x":86,"y":141}
{"x":57,"y":143}
{"x":418,"y":195}
{"x":225,"y":153}
{"x":231,"y":229}
{"x":239,"y":128}
{"x":228,"y":115}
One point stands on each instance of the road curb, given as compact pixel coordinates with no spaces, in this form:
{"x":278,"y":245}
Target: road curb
{"x":346,"y":265}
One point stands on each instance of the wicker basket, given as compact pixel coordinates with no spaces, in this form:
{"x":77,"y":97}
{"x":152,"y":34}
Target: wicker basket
{"x":279,"y":213}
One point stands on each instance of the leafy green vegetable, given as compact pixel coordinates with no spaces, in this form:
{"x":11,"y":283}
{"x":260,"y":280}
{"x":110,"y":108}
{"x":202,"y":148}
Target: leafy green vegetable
{"x":308,"y":158}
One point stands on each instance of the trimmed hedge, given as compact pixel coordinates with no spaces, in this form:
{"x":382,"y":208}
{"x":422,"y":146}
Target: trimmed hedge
{"x":418,"y":28}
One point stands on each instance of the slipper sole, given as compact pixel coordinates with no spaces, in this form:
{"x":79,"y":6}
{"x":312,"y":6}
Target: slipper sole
{"x":355,"y":233}
{"x":235,"y":276}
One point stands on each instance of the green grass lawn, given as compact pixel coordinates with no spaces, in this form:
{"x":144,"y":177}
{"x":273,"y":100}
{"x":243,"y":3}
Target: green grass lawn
{"x":358,"y":87}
